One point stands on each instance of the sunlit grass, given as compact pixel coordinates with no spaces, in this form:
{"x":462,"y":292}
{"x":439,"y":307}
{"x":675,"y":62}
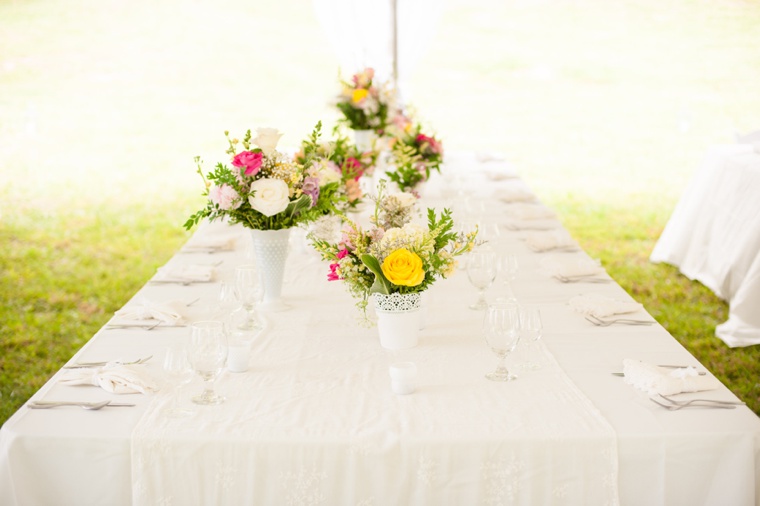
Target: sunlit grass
{"x":606,"y":108}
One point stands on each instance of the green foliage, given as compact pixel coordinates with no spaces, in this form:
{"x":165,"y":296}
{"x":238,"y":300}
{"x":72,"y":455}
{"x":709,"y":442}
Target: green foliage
{"x":381,"y":284}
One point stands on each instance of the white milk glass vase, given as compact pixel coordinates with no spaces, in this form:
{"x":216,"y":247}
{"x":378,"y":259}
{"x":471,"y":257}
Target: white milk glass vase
{"x":398,"y":319}
{"x":271,"y":251}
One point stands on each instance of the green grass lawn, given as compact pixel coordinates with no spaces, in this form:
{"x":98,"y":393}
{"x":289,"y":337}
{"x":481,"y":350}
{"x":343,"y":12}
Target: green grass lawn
{"x":606,"y":108}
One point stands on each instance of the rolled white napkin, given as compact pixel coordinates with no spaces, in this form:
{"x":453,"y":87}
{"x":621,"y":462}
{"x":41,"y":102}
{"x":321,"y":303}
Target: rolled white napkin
{"x":571,"y":266}
{"x":602,"y":306}
{"x":653,"y":379}
{"x":529,"y":212}
{"x":114,"y":378}
{"x":515,"y":194}
{"x":549,"y":240}
{"x":185,"y":273}
{"x":148,"y":311}
{"x":212,"y":242}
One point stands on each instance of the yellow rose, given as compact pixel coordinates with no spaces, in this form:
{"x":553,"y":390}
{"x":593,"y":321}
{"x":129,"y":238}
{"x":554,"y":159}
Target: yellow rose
{"x":359,"y":95}
{"x":403,"y":268}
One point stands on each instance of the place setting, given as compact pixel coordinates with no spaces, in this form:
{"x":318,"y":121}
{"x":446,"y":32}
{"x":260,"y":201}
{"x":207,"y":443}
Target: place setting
{"x":148,"y":314}
{"x":603,"y":311}
{"x":574,"y":269}
{"x":184,"y":274}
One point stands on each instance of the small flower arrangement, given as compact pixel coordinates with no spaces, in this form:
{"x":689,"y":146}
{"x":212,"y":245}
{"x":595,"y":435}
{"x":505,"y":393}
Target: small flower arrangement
{"x":415,"y":153}
{"x":340,"y":160}
{"x":365,"y":104}
{"x":394,"y":255}
{"x":265,"y":189}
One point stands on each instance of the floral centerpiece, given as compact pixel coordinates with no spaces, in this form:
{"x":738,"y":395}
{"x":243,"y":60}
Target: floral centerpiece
{"x":395,"y":255}
{"x":365,"y":106}
{"x":415,"y":153}
{"x":264,"y":189}
{"x":269,"y":193}
{"x":342,"y":161}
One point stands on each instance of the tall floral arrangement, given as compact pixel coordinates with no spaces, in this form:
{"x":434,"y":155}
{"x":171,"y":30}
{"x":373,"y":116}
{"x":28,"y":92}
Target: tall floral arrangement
{"x":364,"y":103}
{"x":415,"y":154}
{"x":395,"y":255}
{"x":264,"y":189}
{"x":340,"y":160}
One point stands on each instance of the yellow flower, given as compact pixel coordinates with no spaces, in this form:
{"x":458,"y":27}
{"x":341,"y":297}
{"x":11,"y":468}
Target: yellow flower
{"x":403,"y":268}
{"x":359,"y":95}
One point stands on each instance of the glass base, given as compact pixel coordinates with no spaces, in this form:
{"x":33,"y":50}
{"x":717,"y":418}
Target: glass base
{"x":274,"y":306}
{"x":479,"y":305}
{"x":208,"y":400}
{"x":501,"y":376}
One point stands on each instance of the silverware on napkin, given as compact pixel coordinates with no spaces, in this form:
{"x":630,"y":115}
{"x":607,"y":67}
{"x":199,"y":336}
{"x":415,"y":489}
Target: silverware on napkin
{"x":79,"y":365}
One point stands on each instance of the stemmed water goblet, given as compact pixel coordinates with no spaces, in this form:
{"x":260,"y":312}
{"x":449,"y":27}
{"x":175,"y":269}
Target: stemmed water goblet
{"x":501,"y":329}
{"x":508,"y":268}
{"x":481,"y":270}
{"x":249,"y":292}
{"x":177,"y":373}
{"x":208,"y":355}
{"x":530,"y":333}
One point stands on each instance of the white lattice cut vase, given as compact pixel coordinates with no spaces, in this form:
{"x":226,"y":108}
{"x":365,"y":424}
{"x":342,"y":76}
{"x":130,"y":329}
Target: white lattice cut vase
{"x":271,"y":250}
{"x":398,"y":319}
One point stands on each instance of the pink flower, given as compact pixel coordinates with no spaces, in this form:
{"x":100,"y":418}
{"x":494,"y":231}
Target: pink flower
{"x":353,"y":190}
{"x":225,"y":197}
{"x":433,"y":145}
{"x":250,"y":160}
{"x":333,"y":274}
{"x":342,"y":254}
{"x":354,"y":167}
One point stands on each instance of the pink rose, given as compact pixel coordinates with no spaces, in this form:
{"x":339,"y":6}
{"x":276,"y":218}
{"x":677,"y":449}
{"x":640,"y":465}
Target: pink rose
{"x":432,"y":144}
{"x":342,"y":254}
{"x":225,"y":197}
{"x":250,"y":160}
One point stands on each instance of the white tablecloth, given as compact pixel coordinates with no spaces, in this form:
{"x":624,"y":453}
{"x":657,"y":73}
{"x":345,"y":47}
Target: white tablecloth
{"x":714,"y":236}
{"x":314,"y":422}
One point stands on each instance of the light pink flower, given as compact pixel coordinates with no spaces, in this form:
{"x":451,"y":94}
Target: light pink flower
{"x":333,"y":274}
{"x":225,"y":197}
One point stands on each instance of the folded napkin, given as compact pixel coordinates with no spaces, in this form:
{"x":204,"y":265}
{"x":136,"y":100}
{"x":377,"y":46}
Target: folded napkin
{"x":171,"y":313}
{"x":212,"y":242}
{"x":514,"y":195}
{"x":549,"y":240}
{"x":530,"y":212}
{"x":653,"y":379}
{"x":114,"y":378}
{"x":571,"y":266}
{"x":602,"y":306}
{"x":485,"y":156}
{"x":185,"y":273}
{"x":532,"y":224}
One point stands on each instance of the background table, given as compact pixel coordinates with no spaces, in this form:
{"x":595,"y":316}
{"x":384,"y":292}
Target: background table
{"x":314,"y":420}
{"x":713,"y":236}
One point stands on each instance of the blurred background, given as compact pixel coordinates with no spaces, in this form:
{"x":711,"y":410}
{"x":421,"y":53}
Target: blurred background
{"x":605,"y":108}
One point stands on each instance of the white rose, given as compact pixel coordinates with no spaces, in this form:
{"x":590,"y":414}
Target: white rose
{"x":266,"y":139}
{"x":405,"y":199}
{"x":270,"y":196}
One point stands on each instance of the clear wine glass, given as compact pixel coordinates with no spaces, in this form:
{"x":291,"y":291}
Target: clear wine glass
{"x":481,"y":270}
{"x":249,"y":292}
{"x":208,"y":354}
{"x":508,"y":268}
{"x":501,"y":329}
{"x":530,"y":333}
{"x":177,"y":374}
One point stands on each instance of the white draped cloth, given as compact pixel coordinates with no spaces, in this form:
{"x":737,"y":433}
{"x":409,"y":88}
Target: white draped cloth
{"x":713,"y":236}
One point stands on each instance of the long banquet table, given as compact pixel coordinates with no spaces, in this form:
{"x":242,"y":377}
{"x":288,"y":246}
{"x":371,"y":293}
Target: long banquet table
{"x":314,"y":421}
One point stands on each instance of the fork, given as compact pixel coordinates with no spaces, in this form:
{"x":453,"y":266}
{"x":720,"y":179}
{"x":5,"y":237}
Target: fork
{"x":90,"y":406}
{"x":622,"y":321}
{"x":690,"y":401}
{"x":697,"y":403}
{"x":586,"y":278}
{"x":127,"y":326}
{"x":98,"y":364}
